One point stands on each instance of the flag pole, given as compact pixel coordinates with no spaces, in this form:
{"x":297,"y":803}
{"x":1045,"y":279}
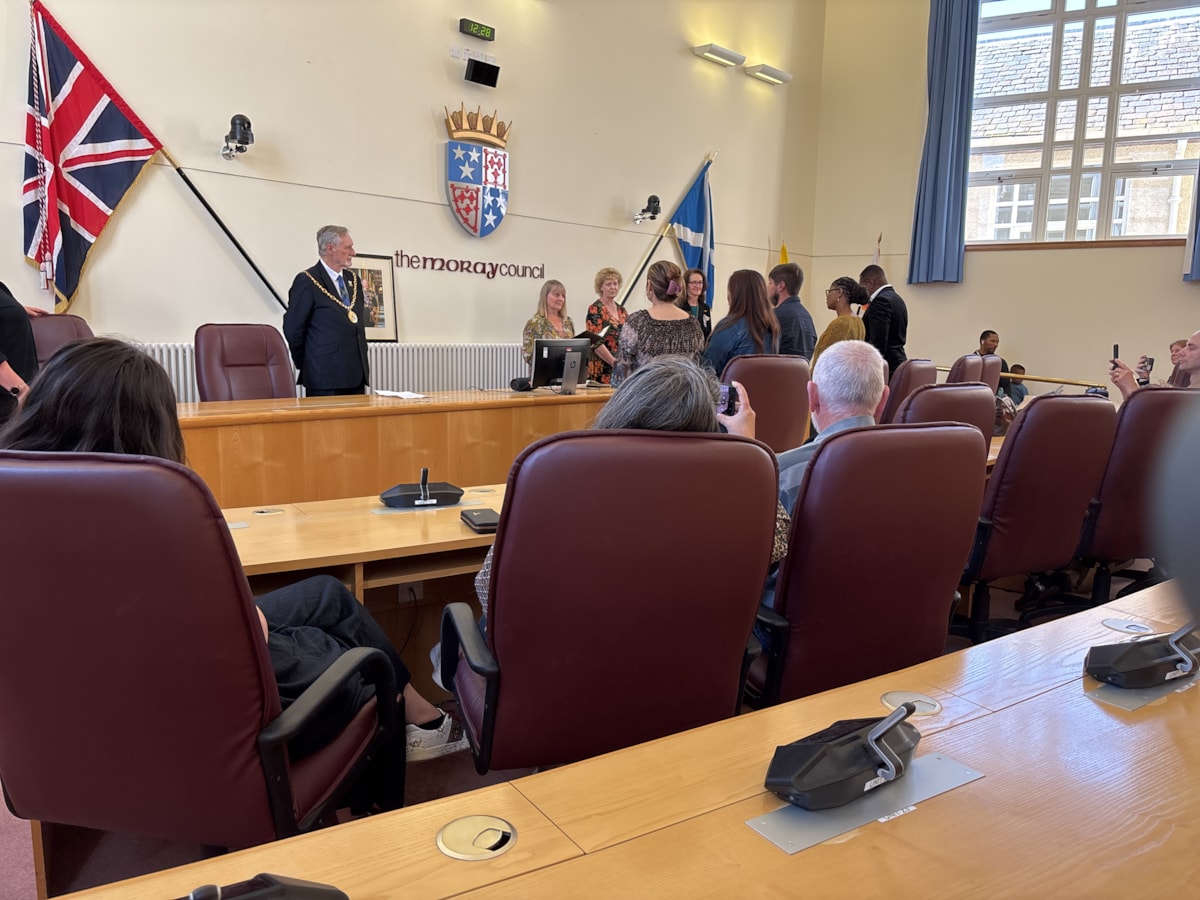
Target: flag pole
{"x":229,"y":234}
{"x":658,"y":240}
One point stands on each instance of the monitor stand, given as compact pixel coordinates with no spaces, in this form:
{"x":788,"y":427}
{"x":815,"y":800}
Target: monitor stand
{"x":572,"y":360}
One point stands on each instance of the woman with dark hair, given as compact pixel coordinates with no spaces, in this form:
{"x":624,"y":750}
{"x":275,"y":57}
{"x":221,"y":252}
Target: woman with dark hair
{"x":662,"y":330}
{"x":105,"y":396}
{"x":695,"y":299}
{"x":751,"y":326}
{"x":846,"y":326}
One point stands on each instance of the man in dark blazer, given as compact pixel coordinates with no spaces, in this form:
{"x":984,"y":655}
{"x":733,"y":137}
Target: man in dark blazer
{"x":885,"y":317}
{"x":325,"y":322}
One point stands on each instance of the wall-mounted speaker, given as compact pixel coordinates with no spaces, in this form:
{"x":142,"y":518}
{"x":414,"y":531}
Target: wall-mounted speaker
{"x":482,"y":73}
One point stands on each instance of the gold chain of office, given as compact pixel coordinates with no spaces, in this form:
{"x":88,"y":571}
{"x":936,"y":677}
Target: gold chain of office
{"x":350,"y":313}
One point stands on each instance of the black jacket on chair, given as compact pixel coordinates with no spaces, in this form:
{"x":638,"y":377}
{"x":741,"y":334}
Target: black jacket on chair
{"x":329,"y":351}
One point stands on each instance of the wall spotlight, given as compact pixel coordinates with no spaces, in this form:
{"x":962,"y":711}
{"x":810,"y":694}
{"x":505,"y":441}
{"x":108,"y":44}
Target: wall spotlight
{"x":769,"y":74}
{"x":718,"y":54}
{"x":651,"y":211}
{"x":239,"y":138}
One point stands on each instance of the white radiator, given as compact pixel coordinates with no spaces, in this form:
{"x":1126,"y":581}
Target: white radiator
{"x":394,"y":367}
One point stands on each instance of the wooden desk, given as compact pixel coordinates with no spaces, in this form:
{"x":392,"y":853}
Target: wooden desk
{"x":322,"y":448}
{"x":360,"y":541}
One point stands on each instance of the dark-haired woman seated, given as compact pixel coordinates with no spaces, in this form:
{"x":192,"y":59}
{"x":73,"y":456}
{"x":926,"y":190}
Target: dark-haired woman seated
{"x":105,"y":396}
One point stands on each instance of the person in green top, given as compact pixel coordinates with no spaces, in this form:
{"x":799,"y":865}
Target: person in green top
{"x":847,"y":326}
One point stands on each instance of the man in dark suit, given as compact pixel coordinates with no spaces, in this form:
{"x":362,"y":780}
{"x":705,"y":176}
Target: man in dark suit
{"x":325,"y":322}
{"x":797,"y":334}
{"x":885,"y":317}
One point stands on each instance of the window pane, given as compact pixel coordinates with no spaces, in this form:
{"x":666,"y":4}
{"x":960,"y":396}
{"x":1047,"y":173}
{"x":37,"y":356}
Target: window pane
{"x":991,"y":8}
{"x":1106,"y":2}
{"x":1072,"y":54}
{"x":1158,"y":112}
{"x":1093,"y":155}
{"x":998,"y":212}
{"x":1005,"y":161}
{"x":1097,"y":117}
{"x":1156,"y":151}
{"x":1064,"y":122}
{"x":1161,"y":46}
{"x":1063,"y":157}
{"x":1152,"y":205}
{"x":1073,"y":5}
{"x":1013,"y":62}
{"x":1102,"y":46}
{"x":1003,"y":126}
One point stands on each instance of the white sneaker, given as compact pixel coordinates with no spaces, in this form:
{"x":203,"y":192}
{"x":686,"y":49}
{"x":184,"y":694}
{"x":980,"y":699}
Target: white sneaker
{"x":430,"y":743}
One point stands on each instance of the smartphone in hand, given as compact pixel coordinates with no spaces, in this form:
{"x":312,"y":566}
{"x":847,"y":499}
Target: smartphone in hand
{"x":727,"y":403}
{"x":1116,"y":355}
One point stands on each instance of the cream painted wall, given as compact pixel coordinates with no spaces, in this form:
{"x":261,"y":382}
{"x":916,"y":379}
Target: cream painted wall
{"x":1057,"y":311}
{"x":607,"y":101}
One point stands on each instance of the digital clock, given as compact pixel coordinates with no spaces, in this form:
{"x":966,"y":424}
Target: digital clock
{"x":477,"y":29}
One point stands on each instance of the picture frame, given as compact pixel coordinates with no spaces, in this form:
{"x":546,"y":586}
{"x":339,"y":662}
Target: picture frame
{"x":379,"y":295}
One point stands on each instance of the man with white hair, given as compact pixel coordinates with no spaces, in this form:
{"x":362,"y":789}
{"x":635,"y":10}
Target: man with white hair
{"x":847,"y":390}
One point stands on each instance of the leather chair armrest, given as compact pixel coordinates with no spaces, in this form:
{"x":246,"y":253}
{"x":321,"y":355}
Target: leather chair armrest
{"x":460,"y":631}
{"x":777,"y":628}
{"x":983,"y":533}
{"x":753,"y":652}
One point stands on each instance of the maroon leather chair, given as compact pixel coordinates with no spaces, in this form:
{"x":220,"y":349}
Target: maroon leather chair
{"x":909,"y":375}
{"x":845,"y":610}
{"x":973,"y":403}
{"x":966,"y":368}
{"x":136,"y":693}
{"x":243,"y":362}
{"x":778,"y":388}
{"x":52,"y":332}
{"x":578,"y":617}
{"x":1117,"y":527}
{"x":990,"y":371}
{"x":1048,"y":470}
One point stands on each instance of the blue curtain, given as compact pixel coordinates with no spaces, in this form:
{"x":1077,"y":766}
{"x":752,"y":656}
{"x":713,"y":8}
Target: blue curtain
{"x":1193,"y":272}
{"x":937,"y":242}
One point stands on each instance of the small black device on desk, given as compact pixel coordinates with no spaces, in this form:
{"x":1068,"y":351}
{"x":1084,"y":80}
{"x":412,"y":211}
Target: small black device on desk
{"x":268,"y":887}
{"x":481,"y":521}
{"x":1145,"y":662}
{"x":439,"y":493}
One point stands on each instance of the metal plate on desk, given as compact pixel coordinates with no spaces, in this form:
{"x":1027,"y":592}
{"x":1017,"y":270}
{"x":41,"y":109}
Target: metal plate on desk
{"x":1130,"y":699}
{"x":793,"y":829}
{"x":476,"y":837}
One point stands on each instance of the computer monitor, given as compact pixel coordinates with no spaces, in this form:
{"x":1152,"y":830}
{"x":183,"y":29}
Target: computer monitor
{"x":550,"y":357}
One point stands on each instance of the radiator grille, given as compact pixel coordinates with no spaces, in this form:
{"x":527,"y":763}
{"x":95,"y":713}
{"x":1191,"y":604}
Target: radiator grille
{"x":394,"y":367}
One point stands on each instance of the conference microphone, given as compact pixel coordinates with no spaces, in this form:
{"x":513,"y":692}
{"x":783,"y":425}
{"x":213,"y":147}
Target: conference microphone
{"x":520,"y":384}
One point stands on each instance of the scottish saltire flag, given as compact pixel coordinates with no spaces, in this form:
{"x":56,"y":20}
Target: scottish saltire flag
{"x":84,"y":148}
{"x":693,"y":226}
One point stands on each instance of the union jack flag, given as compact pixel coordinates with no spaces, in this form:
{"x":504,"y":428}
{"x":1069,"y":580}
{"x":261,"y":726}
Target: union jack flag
{"x":84,"y":148}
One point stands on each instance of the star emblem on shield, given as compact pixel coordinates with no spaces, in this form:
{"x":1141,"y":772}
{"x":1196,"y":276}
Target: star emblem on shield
{"x":477,"y":170}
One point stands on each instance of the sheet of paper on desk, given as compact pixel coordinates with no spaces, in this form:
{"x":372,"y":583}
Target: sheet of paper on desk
{"x":403,"y":395}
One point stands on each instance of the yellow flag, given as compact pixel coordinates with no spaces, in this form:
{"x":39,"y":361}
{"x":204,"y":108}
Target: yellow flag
{"x":783,"y":257}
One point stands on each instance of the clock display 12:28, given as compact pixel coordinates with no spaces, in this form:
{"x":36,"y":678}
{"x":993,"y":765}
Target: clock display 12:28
{"x":477,"y":29}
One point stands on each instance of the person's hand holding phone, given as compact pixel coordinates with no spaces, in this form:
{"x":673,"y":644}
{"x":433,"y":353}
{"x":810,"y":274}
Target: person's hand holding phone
{"x":1123,"y":377}
{"x":742,"y":420}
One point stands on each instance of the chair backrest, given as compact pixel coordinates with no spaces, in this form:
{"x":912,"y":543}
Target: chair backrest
{"x":778,"y":388}
{"x":637,"y":630}
{"x":52,"y":332}
{"x":973,"y":403}
{"x":966,"y":368}
{"x":242,"y":362}
{"x":856,"y":608}
{"x":1049,"y":468}
{"x":990,"y":371}
{"x":1118,"y":526}
{"x":909,"y":375}
{"x":135,"y":679}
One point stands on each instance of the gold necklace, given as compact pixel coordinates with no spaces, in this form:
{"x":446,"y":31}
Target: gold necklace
{"x":350,"y":313}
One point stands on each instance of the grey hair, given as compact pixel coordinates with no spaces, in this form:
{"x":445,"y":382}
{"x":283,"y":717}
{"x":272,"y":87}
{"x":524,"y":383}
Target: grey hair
{"x":327,"y":235}
{"x":849,"y":375}
{"x":668,"y":393}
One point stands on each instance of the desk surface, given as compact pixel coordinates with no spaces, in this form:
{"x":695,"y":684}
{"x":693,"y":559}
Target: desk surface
{"x":1075,"y":794}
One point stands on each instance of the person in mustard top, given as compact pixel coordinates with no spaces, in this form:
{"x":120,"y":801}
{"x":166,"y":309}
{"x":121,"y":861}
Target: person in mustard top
{"x":847,"y":326}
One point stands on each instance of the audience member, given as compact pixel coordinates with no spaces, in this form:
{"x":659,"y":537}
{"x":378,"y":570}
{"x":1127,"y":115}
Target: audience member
{"x":103,"y":395}
{"x":798,"y":335}
{"x":605,"y":317}
{"x":550,"y":321}
{"x":1176,"y":378}
{"x":1188,"y":365}
{"x":18,"y":353}
{"x":326,"y":320}
{"x":751,"y":326}
{"x":989,"y":343}
{"x":846,"y":326}
{"x":695,"y":301}
{"x":885,"y":317}
{"x":662,"y":330}
{"x":1017,"y":389}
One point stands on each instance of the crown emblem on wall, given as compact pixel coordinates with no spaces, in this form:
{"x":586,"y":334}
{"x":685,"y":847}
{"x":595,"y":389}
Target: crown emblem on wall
{"x":474,"y":126}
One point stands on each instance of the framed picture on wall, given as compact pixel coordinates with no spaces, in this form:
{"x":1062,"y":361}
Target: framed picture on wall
{"x":379,"y":295}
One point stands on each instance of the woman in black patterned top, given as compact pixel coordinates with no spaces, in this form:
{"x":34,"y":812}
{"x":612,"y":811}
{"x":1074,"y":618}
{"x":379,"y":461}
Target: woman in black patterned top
{"x":662,"y":330}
